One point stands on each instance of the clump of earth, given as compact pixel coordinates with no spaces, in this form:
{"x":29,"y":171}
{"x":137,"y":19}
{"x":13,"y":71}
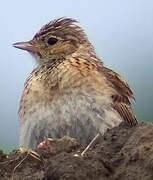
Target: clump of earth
{"x":122,"y":153}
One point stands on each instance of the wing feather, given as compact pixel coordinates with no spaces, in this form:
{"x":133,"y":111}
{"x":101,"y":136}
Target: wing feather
{"x":122,"y":97}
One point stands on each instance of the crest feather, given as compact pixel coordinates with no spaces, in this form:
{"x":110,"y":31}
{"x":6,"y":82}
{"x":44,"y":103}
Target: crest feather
{"x":55,"y":24}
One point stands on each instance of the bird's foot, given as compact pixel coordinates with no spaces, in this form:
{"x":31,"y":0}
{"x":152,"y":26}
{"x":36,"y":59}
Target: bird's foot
{"x":30,"y":152}
{"x":45,"y":145}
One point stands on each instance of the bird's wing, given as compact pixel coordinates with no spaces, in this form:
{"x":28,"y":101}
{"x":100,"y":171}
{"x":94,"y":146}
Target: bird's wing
{"x":126,"y":113}
{"x":122,"y":97}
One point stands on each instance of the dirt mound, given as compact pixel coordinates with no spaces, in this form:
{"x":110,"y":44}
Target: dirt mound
{"x":122,"y":153}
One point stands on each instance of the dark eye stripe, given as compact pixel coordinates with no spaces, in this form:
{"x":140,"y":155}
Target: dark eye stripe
{"x":51,"y":41}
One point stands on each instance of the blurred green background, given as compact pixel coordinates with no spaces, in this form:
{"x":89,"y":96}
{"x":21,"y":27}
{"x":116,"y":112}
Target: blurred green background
{"x":121,"y":32}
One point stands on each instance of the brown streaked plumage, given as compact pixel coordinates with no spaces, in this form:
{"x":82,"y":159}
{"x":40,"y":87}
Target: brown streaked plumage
{"x":70,"y":92}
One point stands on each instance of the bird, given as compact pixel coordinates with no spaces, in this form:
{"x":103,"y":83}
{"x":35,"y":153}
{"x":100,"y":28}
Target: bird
{"x":70,"y":92}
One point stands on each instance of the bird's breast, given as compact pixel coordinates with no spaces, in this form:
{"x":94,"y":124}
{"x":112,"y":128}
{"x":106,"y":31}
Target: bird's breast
{"x":66,"y":102}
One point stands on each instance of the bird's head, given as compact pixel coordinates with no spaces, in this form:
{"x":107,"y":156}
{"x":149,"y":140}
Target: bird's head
{"x":56,"y":40}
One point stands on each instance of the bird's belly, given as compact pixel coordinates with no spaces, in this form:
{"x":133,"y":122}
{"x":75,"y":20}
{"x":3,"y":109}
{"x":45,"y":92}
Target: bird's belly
{"x":80,"y":117}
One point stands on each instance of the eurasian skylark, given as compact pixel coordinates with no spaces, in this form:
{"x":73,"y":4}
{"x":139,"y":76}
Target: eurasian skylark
{"x":70,"y":92}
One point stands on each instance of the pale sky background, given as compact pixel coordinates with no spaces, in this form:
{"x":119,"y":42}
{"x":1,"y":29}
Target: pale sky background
{"x":121,"y":31}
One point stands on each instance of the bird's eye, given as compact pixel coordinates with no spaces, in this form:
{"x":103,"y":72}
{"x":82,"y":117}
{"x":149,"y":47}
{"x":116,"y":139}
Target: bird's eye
{"x":52,"y":41}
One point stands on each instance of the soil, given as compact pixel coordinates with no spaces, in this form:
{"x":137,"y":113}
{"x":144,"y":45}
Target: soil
{"x":123,"y":153}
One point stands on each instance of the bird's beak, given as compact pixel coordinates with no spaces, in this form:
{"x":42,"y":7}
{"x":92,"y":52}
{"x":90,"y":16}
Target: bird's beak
{"x":28,"y":46}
